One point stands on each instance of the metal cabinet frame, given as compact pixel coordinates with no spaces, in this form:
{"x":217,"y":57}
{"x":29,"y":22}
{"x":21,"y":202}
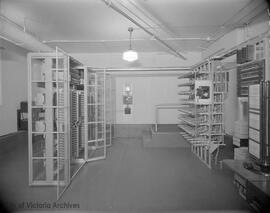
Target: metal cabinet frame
{"x":56,"y":157}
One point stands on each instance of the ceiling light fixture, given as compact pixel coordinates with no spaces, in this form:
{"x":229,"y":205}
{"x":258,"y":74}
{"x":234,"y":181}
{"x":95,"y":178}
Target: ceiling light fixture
{"x":130,"y":55}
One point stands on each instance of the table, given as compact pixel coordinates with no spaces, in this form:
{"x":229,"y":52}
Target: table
{"x":253,"y":187}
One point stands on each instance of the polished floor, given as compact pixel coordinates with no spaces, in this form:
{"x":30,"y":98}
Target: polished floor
{"x":131,"y":179}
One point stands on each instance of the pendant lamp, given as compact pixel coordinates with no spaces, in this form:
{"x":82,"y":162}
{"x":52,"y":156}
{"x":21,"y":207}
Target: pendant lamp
{"x":130,"y":55}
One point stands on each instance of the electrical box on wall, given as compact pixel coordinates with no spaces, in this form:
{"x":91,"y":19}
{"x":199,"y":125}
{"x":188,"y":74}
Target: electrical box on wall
{"x":127,"y":110}
{"x":127,"y":99}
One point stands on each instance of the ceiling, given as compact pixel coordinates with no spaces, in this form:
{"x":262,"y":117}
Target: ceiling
{"x":92,"y":26}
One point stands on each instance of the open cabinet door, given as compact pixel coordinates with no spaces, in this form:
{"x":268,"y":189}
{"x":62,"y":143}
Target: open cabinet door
{"x":61,"y":121}
{"x":110,"y":109}
{"x":95,"y":115}
{"x":56,"y":126}
{"x":77,"y":114}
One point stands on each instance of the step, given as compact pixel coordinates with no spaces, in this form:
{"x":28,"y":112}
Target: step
{"x":166,"y":140}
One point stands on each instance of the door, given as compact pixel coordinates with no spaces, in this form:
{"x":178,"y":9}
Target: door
{"x":61,"y":120}
{"x":77,"y":127}
{"x":95,"y":115}
{"x":109,"y":108}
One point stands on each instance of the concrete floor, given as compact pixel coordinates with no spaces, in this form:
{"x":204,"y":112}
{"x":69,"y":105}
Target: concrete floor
{"x":131,"y":179}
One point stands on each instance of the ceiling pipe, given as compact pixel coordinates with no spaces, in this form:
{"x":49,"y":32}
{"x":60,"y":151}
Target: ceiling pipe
{"x":174,"y":52}
{"x":138,"y":17}
{"x":12,"y":33}
{"x":122,"y":40}
{"x":148,"y":15}
{"x":255,"y":12}
{"x":145,"y":74}
{"x":148,"y":19}
{"x":149,"y":69}
{"x":13,"y":42}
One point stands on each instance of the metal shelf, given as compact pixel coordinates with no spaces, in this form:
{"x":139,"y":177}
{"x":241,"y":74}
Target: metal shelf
{"x":45,"y":106}
{"x":187,"y":110}
{"x":186,"y":84}
{"x":186,"y":102}
{"x":251,"y":62}
{"x":187,"y":75}
{"x":39,"y":81}
{"x":190,"y":121}
{"x":187,"y":129}
{"x":186,"y":93}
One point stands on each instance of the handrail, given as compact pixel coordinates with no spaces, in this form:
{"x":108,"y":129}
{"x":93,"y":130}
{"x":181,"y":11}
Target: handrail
{"x":163,"y":106}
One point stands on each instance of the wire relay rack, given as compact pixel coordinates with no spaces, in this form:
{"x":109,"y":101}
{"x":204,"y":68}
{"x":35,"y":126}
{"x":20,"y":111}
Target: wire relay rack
{"x":201,"y":112}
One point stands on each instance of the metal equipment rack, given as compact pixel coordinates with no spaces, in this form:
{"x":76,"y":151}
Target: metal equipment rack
{"x":70,"y":118}
{"x":202,"y":120}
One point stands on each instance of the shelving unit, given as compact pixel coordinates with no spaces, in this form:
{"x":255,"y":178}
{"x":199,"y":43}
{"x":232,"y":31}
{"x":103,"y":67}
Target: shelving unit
{"x":187,"y":110}
{"x":48,"y":124}
{"x":201,"y":112}
{"x":55,"y":97}
{"x":70,"y":118}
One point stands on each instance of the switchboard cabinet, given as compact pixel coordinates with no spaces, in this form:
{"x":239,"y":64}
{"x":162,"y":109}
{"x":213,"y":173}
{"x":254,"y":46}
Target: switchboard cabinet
{"x":252,"y":63}
{"x":56,"y":123}
{"x":71,"y":120}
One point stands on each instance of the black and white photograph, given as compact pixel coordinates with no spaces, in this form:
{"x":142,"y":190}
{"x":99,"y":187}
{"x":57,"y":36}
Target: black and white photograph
{"x":136,"y":106}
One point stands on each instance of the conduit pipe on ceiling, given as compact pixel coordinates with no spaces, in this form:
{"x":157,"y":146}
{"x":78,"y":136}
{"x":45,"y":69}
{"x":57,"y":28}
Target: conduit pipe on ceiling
{"x":151,"y":18}
{"x":12,"y":33}
{"x":172,"y":50}
{"x":150,"y":69}
{"x":123,"y":40}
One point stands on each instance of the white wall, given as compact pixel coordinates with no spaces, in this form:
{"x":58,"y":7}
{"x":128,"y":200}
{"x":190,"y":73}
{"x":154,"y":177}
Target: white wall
{"x":14,"y":85}
{"x":239,"y":35}
{"x":148,"y":91}
{"x":152,"y":59}
{"x":228,"y":41}
{"x":257,"y":27}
